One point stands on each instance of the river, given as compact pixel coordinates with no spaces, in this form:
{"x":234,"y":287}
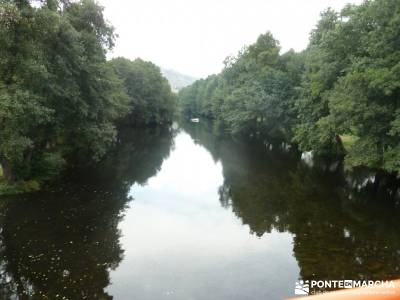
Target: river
{"x":187,"y":214}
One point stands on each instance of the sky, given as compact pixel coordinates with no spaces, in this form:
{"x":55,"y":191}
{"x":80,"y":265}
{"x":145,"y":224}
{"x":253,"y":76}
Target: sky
{"x":195,"y":36}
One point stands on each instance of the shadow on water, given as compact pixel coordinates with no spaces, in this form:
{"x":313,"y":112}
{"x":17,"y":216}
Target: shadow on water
{"x":344,"y":228}
{"x":62,"y":244}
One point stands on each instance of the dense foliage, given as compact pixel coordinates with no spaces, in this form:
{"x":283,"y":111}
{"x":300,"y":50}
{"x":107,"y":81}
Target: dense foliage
{"x":151,"y":98}
{"x":253,"y":94}
{"x":59,"y":97}
{"x":339,"y":96}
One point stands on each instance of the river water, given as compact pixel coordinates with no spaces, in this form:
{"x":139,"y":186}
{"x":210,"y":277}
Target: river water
{"x":187,"y":214}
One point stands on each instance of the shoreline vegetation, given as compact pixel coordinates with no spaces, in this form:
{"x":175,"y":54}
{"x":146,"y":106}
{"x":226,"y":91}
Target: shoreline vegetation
{"x":61,"y":101}
{"x":339,"y":98}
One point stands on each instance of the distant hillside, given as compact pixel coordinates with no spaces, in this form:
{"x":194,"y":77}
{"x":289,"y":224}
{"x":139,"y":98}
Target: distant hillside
{"x":177,"y":80}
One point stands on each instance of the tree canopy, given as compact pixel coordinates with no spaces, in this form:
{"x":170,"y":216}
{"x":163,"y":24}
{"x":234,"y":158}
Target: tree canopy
{"x":151,"y":98}
{"x":58,"y":94}
{"x":340,"y":96}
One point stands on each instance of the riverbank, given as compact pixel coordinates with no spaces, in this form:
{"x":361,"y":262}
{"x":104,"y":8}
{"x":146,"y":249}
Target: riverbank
{"x":339,"y":96}
{"x":7,"y":188}
{"x":73,"y":106}
{"x":21,"y":187}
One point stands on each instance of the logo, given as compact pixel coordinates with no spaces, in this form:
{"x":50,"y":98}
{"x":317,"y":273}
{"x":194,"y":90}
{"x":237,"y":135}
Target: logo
{"x":348,"y":284}
{"x":302,"y":287}
{"x":312,"y":287}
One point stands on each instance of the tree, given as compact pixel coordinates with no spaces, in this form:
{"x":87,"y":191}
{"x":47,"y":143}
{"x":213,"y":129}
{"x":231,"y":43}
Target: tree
{"x":254,"y":93}
{"x":151,"y":98}
{"x":345,"y":85}
{"x":60,"y":100}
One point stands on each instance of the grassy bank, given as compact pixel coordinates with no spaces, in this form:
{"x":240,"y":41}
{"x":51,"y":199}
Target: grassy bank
{"x":20,"y":187}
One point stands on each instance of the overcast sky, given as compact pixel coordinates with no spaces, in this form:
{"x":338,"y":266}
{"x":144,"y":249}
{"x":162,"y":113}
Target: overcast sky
{"x":195,"y":36}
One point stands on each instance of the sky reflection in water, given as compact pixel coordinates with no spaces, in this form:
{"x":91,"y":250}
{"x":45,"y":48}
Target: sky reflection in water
{"x":180,"y":243}
{"x":212,"y":218}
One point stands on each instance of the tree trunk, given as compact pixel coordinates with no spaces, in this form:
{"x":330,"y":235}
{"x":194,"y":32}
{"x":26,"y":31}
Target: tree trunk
{"x":7,"y":170}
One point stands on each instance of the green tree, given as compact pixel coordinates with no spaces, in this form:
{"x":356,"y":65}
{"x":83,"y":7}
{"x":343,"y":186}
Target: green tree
{"x":60,"y":100}
{"x":253,"y":95}
{"x":344,"y":87}
{"x":151,"y":98}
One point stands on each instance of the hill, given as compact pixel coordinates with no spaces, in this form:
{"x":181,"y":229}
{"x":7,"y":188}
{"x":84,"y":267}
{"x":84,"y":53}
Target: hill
{"x":177,"y":80}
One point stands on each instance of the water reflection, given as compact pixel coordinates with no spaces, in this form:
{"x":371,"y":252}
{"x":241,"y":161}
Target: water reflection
{"x":212,"y":218}
{"x":182,"y":244}
{"x":341,"y":230}
{"x":63,"y":244}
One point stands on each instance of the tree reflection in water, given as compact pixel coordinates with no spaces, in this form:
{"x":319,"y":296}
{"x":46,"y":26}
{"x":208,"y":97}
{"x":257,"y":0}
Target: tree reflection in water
{"x":62,"y":244}
{"x":342,"y":229}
